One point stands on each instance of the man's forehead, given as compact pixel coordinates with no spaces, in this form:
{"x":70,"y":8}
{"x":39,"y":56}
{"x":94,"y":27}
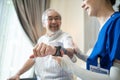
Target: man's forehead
{"x":52,"y":13}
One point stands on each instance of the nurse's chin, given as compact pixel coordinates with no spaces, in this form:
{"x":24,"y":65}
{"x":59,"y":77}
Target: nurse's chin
{"x":90,"y":13}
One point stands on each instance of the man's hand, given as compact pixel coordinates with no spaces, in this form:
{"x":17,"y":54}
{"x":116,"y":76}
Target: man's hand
{"x":42,"y":49}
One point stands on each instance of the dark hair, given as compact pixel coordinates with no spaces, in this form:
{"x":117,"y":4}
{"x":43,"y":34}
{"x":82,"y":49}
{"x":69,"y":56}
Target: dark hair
{"x":112,"y":2}
{"x":119,"y":8}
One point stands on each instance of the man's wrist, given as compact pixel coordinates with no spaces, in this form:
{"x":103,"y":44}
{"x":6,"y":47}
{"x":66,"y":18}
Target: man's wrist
{"x":64,"y":50}
{"x":57,"y":53}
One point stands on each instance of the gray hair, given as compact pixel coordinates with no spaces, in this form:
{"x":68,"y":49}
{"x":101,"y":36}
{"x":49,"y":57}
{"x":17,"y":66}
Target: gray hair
{"x":44,"y":15}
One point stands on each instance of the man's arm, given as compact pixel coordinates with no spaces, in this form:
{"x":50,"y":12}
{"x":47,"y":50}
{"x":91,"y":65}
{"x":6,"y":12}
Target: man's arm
{"x":43,"y":49}
{"x":29,"y":63}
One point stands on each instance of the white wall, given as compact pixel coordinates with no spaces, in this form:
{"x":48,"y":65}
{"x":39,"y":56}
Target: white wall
{"x":91,"y":29}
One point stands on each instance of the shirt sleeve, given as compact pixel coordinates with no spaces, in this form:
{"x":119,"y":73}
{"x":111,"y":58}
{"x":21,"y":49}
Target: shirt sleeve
{"x":68,"y":41}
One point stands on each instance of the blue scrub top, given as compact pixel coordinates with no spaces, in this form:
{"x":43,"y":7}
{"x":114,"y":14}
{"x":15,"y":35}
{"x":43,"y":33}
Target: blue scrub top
{"x":107,"y":46}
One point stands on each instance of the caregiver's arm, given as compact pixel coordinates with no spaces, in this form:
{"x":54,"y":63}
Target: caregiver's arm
{"x":66,"y":63}
{"x":80,"y":55}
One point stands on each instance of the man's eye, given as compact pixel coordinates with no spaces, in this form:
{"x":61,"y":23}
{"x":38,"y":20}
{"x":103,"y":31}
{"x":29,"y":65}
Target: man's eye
{"x":50,"y":19}
{"x":57,"y":18}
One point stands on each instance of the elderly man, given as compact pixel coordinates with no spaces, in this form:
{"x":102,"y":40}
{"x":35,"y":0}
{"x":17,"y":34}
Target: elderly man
{"x":46,"y":68}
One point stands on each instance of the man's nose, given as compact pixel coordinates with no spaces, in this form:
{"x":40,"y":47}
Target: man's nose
{"x":53,"y":21}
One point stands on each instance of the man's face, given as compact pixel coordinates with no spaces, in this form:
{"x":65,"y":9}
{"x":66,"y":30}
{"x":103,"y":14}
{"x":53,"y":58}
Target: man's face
{"x":52,"y":22}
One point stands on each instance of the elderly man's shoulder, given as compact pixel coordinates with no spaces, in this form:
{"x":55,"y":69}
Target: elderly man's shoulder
{"x":66,"y":34}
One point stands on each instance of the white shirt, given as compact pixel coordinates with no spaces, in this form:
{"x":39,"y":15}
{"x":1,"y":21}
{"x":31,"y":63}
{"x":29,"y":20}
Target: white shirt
{"x":46,"y":67}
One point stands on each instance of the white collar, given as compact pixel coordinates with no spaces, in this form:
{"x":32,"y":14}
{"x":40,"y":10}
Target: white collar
{"x":55,"y":35}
